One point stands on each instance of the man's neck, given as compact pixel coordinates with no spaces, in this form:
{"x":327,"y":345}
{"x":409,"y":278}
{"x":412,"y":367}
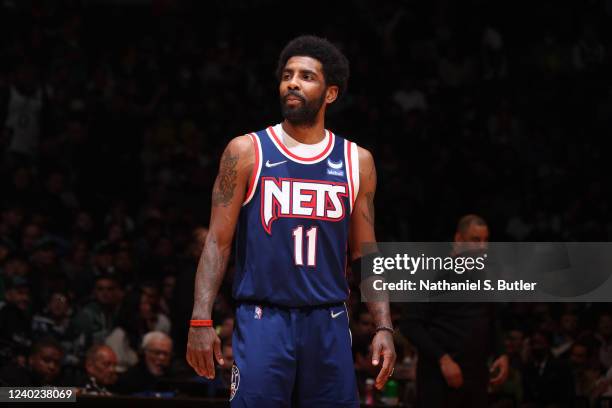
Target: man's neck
{"x":307,"y":135}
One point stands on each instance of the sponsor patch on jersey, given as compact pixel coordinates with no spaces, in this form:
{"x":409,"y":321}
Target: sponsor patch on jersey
{"x":334,"y":168}
{"x":234,"y":382}
{"x":258,"y":313}
{"x":333,"y":172}
{"x":334,"y":165}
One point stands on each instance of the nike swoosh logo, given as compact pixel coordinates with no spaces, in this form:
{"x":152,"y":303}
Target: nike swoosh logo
{"x":334,"y":315}
{"x":268,"y":164}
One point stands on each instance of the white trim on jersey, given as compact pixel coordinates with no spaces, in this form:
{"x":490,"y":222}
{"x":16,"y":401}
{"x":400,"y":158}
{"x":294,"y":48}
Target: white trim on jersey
{"x":347,"y":146}
{"x":276,"y":137}
{"x":348,"y":319}
{"x":352,"y":172}
{"x":258,"y":163}
{"x":355,"y":168}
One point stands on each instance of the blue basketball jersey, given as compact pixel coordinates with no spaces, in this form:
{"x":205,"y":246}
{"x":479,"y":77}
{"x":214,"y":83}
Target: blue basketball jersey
{"x":292,"y":233}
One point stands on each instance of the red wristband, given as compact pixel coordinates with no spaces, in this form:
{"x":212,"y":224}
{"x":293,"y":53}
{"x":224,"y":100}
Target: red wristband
{"x":200,"y":323}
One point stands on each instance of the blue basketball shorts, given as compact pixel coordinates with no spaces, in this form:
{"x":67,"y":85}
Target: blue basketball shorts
{"x":292,"y":357}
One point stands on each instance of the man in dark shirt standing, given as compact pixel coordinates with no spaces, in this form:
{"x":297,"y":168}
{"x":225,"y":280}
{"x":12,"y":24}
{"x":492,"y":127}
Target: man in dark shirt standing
{"x":454,"y":340}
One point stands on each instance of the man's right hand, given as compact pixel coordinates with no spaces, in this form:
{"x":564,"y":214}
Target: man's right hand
{"x":451,"y":371}
{"x":202,"y":343}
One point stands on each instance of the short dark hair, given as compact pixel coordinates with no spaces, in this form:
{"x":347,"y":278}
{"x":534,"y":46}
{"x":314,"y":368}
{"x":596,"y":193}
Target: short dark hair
{"x":335,"y":64}
{"x":107,"y":276}
{"x":467,"y":220}
{"x":46,"y":342}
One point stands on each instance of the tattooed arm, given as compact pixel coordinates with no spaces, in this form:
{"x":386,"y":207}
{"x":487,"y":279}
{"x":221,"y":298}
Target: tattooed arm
{"x":228,"y":195}
{"x":362,"y":232}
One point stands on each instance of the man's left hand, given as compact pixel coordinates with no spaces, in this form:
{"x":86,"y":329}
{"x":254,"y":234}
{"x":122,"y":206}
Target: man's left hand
{"x":501,"y":366}
{"x":382,"y":345}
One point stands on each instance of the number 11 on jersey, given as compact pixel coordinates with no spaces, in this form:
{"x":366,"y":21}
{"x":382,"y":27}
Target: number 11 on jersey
{"x":311,"y":245}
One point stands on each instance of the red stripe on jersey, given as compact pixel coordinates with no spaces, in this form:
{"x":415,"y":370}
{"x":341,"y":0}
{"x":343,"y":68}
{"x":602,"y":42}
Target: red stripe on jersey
{"x":350,"y":173}
{"x":255,"y":167}
{"x":294,"y":156}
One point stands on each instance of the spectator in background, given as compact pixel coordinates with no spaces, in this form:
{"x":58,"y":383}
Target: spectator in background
{"x":586,"y":377}
{"x":125,"y":264}
{"x":77,"y":268}
{"x":219,"y":387}
{"x":115,"y":233}
{"x":57,"y":203}
{"x":49,"y":277}
{"x":24,"y":113}
{"x":118,"y":215}
{"x":94,"y":322}
{"x":494,"y":60}
{"x":11,"y":221}
{"x":30,"y":235}
{"x":568,"y":331}
{"x":21,"y":187}
{"x":604,"y":336}
{"x":167,"y":293}
{"x":104,"y":253}
{"x":43,"y":367}
{"x":149,"y":373}
{"x":152,"y":231}
{"x":15,"y":265}
{"x":162,"y":261}
{"x":226,"y":329}
{"x":83,"y":227}
{"x":363,"y":330}
{"x":547,"y":380}
{"x":137,"y":316}
{"x":515,"y":350}
{"x":54,"y":320}
{"x":16,"y":318}
{"x":6,"y":247}
{"x":511,"y":391}
{"x":588,"y":53}
{"x":101,"y":264}
{"x":11,"y":265}
{"x":151,"y":290}
{"x":100,"y":364}
{"x":228,"y":362}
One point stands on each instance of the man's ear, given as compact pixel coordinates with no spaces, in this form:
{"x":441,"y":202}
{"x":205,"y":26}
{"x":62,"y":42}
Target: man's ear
{"x":331,"y":93}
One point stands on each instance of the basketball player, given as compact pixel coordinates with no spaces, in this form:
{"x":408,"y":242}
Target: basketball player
{"x":297,"y":196}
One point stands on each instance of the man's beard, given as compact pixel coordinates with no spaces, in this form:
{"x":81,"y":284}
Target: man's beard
{"x":304,"y":114}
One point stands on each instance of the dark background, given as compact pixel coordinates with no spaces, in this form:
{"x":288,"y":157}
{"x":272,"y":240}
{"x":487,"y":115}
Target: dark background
{"x":499,"y":108}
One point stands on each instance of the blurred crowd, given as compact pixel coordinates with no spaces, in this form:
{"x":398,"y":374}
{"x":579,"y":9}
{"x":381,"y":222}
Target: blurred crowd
{"x":113,"y":117}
